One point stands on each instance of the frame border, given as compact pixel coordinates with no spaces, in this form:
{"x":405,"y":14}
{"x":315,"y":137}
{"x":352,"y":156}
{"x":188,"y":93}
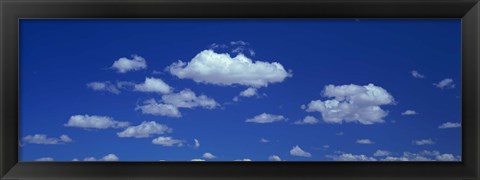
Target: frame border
{"x":467,"y":10}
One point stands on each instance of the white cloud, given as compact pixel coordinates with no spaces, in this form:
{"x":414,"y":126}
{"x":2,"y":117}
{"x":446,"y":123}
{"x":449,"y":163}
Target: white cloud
{"x":124,"y":64}
{"x":297,"y":151}
{"x":104,"y":86}
{"x":97,"y":122}
{"x":153,"y":85}
{"x":239,"y":43}
{"x":65,"y":138}
{"x":145,"y":129}
{"x":215,"y":46}
{"x":263,"y":140}
{"x":188,"y":99}
{"x":445,"y":157}
{"x":365,"y":141}
{"x":340,"y":133}
{"x":422,"y":156}
{"x":423,"y":142}
{"x":108,"y":157}
{"x":351,"y":157}
{"x":381,"y":153}
{"x":208,"y":155}
{"x":307,"y":120}
{"x":159,"y":109}
{"x":274,"y":158}
{"x":167,"y":141}
{"x":249,"y":92}
{"x":198,"y":160}
{"x":197,"y":143}
{"x":448,"y":125}
{"x":266,"y":118}
{"x":445,"y":84}
{"x":416,"y":74}
{"x":409,"y":112}
{"x":221,"y":69}
{"x":244,"y":159}
{"x":44,"y":139}
{"x":352,"y":103}
{"x":45,"y":159}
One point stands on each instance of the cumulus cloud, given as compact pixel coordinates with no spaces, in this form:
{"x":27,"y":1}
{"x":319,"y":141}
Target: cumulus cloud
{"x":124,"y":64}
{"x":445,"y":84}
{"x":351,"y":157}
{"x":449,"y":125}
{"x":352,"y":103}
{"x":188,"y":99}
{"x":167,"y":141}
{"x":274,"y":158}
{"x":266,"y":118}
{"x":104,"y":86}
{"x":416,"y":74}
{"x":409,"y":113}
{"x":153,"y":107}
{"x":365,"y":141}
{"x":153,"y":85}
{"x":307,"y":120}
{"x":208,"y":155}
{"x":197,"y":143}
{"x":45,"y":159}
{"x":44,"y":139}
{"x":423,"y":142}
{"x":297,"y":151}
{"x":221,"y":69}
{"x":422,"y":156}
{"x":144,"y":130}
{"x":94,"y":122}
{"x":379,"y":153}
{"x":108,"y":157}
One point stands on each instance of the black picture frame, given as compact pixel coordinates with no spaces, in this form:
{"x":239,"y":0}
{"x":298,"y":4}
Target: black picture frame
{"x":13,"y":10}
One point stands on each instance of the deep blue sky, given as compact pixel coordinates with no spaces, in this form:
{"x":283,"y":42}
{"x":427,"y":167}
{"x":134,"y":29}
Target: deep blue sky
{"x":59,"y":57}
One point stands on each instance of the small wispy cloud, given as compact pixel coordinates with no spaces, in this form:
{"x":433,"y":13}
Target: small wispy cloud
{"x":365,"y":141}
{"x":445,"y":84}
{"x":274,"y":158}
{"x":416,"y":74}
{"x":108,"y":157}
{"x":104,"y":86}
{"x":45,"y":159}
{"x":124,"y":64}
{"x":380,"y":153}
{"x":44,"y":139}
{"x":208,"y":155}
{"x":449,"y":125}
{"x":266,"y":118}
{"x":307,"y":120}
{"x":167,"y":141}
{"x":197,"y":143}
{"x":423,"y":142}
{"x":94,"y":122}
{"x":409,"y":113}
{"x":263,"y":140}
{"x":153,"y":85}
{"x":297,"y":151}
{"x":144,"y":130}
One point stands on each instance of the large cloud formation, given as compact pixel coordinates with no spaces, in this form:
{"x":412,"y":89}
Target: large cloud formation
{"x":352,"y":103}
{"x":221,"y":69}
